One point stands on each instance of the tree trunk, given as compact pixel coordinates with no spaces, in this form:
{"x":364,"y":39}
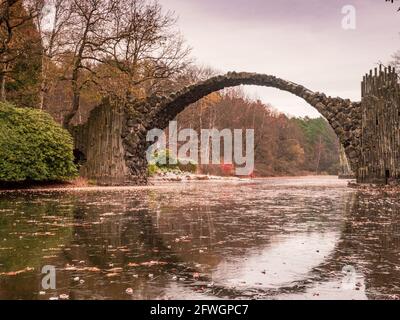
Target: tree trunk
{"x":319,"y":154}
{"x":41,"y":102}
{"x":43,"y":85}
{"x":3,"y":88}
{"x":75,"y":103}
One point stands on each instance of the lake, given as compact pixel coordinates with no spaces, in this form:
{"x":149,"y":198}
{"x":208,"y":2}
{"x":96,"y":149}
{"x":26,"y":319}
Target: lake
{"x":277,"y":238}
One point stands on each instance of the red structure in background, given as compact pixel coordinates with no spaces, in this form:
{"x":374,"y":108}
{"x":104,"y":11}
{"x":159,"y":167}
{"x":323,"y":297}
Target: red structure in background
{"x":228,"y":169}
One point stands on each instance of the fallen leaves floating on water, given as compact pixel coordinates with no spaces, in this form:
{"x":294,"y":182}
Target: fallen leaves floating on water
{"x":108,"y":214}
{"x":14,"y":273}
{"x":90,"y":269}
{"x":153,"y":263}
{"x":43,"y":234}
{"x":132,"y":264}
{"x":183,"y":239}
{"x":115,"y":270}
{"x":147,"y":264}
{"x":110,"y":275}
{"x":129,"y":291}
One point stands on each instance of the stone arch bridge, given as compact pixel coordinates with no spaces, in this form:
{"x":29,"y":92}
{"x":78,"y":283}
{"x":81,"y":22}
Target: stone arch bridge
{"x":113,"y":141}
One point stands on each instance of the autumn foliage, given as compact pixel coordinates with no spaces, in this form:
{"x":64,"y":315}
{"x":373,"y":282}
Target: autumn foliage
{"x":283,"y":145}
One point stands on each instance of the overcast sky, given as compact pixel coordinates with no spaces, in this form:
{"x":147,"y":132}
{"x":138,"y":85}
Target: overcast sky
{"x":298,"y":40}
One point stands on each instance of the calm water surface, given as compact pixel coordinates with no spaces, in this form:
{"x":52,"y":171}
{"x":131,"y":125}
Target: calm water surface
{"x":283,"y":238}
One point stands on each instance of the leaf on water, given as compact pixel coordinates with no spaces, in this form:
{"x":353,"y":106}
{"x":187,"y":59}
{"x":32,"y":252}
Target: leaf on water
{"x":183,"y":239}
{"x":115,"y":270}
{"x":113,"y":274}
{"x":44,"y":234}
{"x":132,"y":264}
{"x":108,"y":214}
{"x":14,"y":273}
{"x":153,"y":263}
{"x":129,"y":291}
{"x":90,"y":269}
{"x":147,"y":263}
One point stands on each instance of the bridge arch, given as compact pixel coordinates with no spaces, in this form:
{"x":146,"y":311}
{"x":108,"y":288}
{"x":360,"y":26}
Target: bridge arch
{"x":169,"y":107}
{"x":155,"y":112}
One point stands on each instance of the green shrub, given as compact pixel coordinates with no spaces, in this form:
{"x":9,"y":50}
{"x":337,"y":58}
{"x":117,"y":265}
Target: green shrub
{"x":164,"y":159}
{"x":152,"y":169}
{"x":161,"y":162}
{"x":33,"y":147}
{"x":191,"y":166}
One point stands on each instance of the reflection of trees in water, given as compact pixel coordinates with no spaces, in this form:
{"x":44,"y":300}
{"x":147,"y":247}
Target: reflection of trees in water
{"x":370,"y":243}
{"x":145,"y":229}
{"x":373,"y":237}
{"x":129,"y":237}
{"x":28,"y":231}
{"x":149,"y":231}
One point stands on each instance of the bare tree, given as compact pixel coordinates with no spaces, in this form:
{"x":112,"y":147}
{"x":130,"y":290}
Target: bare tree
{"x":53,"y":23}
{"x":14,"y":14}
{"x":145,"y":46}
{"x":392,"y":1}
{"x":88,"y":33}
{"x":396,"y":61}
{"x":120,"y":46}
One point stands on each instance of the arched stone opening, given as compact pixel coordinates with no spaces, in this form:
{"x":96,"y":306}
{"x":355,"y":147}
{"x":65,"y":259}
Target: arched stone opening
{"x":141,"y":116}
{"x":79,"y":157}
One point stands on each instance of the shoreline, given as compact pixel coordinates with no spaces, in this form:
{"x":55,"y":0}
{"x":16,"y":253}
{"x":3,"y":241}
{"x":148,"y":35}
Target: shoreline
{"x":158,"y":182}
{"x":375,"y":188}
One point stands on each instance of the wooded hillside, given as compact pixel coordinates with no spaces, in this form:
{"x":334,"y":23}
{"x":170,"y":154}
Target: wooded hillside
{"x":283,"y":145}
{"x":63,"y":56}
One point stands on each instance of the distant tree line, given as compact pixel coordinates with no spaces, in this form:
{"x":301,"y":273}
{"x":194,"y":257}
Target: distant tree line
{"x":283,"y":145}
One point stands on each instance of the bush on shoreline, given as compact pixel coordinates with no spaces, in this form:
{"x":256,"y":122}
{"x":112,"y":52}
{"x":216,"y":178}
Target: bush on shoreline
{"x":163,"y":161}
{"x":33,"y":147}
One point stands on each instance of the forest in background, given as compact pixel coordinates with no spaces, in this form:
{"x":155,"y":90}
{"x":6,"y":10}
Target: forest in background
{"x":63,"y":56}
{"x":284,"y":145}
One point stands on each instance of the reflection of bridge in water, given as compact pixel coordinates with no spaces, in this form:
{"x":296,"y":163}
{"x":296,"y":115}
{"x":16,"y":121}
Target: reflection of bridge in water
{"x":366,"y":240}
{"x":201,"y":245}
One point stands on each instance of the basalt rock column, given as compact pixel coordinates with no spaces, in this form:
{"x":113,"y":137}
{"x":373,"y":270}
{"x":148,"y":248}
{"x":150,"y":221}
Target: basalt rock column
{"x":100,"y":148}
{"x":380,"y":141}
